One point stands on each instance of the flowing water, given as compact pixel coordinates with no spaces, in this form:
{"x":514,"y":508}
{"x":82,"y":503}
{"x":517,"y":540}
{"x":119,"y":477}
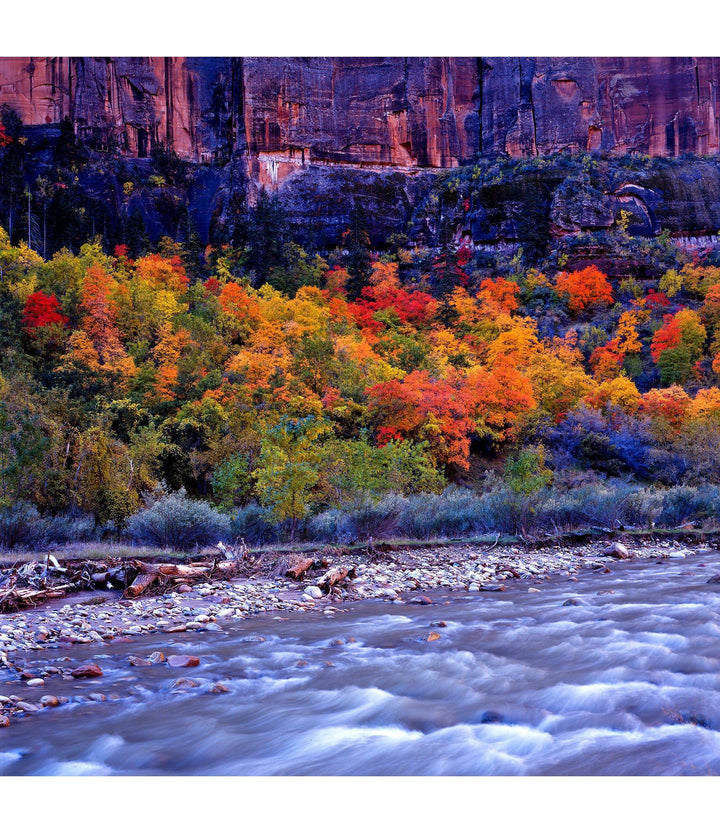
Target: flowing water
{"x":623,"y":682}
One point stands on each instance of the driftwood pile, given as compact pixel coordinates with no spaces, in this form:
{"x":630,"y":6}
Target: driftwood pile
{"x":37,"y":582}
{"x":40,"y":581}
{"x":300,"y":569}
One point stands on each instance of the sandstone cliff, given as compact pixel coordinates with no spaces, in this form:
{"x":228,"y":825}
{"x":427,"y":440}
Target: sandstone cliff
{"x":327,"y":133}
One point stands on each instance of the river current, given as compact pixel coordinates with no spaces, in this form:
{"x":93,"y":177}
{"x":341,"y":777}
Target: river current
{"x":614,"y":674}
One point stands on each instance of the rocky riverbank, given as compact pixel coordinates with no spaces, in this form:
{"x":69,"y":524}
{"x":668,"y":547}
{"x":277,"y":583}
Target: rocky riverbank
{"x":32,"y":641}
{"x":402,"y":576}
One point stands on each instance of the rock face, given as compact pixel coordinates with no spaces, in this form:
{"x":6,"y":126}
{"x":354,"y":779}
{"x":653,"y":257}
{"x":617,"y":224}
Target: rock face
{"x":331,"y":133}
{"x":288,"y":112}
{"x":405,"y":112}
{"x":656,"y":106}
{"x":129,"y":103}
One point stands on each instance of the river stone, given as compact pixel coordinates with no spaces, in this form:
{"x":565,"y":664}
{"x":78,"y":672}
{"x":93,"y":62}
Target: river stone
{"x":49,"y":700}
{"x":617,"y":550}
{"x":714,"y":579}
{"x":139,"y":662}
{"x":313,"y":592}
{"x":182,"y":661}
{"x":185,"y":683}
{"x":27,"y":707}
{"x":156,"y":657}
{"x":36,"y":681}
{"x":89,"y":670}
{"x":4,"y":721}
{"x":219,"y":688}
{"x":676,"y":554}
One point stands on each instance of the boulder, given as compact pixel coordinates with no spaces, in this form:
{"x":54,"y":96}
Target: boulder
{"x":617,"y":550}
{"x":182,"y":661}
{"x":89,"y":670}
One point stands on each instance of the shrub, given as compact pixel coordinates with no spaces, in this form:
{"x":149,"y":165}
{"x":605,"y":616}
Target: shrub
{"x":363,"y":520}
{"x":67,"y":528}
{"x":177,"y":521}
{"x":456,"y":512}
{"x":20,"y":524}
{"x":332,"y":526}
{"x":502,"y":510}
{"x":683,"y":504}
{"x":254,"y":525}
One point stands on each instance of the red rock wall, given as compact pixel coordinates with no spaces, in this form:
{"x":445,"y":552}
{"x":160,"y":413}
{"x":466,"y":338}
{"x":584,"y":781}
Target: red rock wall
{"x":403,"y":112}
{"x":656,"y":106}
{"x":130,"y":102}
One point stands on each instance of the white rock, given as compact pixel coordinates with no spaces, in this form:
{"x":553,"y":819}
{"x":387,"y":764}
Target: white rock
{"x":313,"y":592}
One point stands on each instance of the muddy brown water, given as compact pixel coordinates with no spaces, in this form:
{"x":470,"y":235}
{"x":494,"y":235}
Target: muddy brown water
{"x":625,"y":682}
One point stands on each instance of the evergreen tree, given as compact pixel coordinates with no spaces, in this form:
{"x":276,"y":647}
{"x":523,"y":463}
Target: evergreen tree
{"x":358,"y":260}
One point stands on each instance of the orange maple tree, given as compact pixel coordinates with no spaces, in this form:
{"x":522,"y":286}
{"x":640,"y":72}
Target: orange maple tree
{"x":585,"y":289}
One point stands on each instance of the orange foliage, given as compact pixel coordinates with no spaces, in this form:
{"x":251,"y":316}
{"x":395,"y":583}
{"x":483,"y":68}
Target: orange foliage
{"x":162,"y":272}
{"x":665,"y":338}
{"x":500,"y":400}
{"x":422,"y":408}
{"x":499,"y":295}
{"x":585,"y":289}
{"x":619,"y":392}
{"x":668,"y":405}
{"x":237,"y":303}
{"x":606,"y":361}
{"x":706,"y":404}
{"x":100,"y":323}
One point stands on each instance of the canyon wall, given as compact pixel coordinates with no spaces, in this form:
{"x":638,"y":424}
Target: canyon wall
{"x":331,"y":133}
{"x":404,"y":112}
{"x":654,"y":106}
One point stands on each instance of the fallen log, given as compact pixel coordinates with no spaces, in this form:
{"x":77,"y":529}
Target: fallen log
{"x":142,"y":582}
{"x":225,"y":569}
{"x":334,"y":577}
{"x":298,"y":570}
{"x":21,"y":597}
{"x":180,"y":570}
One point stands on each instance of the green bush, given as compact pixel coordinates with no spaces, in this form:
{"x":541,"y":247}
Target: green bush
{"x":20,"y":525}
{"x":177,"y":521}
{"x":685,"y":504}
{"x":254,"y":525}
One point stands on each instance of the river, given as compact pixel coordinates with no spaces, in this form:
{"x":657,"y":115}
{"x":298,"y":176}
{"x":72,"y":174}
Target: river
{"x":612,"y":674}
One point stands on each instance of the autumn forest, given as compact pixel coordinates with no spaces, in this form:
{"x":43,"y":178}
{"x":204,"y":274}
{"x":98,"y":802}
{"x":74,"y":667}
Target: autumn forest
{"x":284,"y":388}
